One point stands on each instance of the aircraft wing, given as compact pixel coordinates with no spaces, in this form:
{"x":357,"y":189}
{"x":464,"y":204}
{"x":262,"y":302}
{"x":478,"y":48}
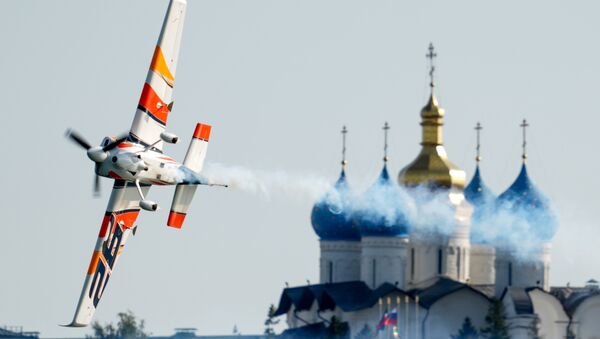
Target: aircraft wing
{"x":118,"y":222}
{"x":156,"y":100}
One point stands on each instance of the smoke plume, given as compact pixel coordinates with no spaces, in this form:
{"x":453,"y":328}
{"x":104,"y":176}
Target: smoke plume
{"x":509,"y":226}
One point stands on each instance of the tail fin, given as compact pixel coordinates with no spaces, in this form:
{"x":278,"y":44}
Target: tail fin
{"x":194,"y":160}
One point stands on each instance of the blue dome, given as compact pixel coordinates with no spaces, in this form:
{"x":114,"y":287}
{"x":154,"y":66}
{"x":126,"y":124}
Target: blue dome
{"x":483,"y":200}
{"x":331,"y":217}
{"x":379,"y":210}
{"x":477,"y":192}
{"x":525,"y":201}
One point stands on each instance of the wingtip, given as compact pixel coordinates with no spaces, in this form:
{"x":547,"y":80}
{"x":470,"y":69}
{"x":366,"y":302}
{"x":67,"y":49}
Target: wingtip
{"x":73,"y":324}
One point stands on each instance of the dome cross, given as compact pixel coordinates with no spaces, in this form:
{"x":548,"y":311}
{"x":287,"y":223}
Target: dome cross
{"x":478,"y":129}
{"x":431,"y":55}
{"x":524,"y":126}
{"x":386,"y":128}
{"x":344,"y":132}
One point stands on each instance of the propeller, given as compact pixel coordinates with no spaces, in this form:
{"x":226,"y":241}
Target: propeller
{"x":78,"y":139}
{"x":97,"y":153}
{"x":115,"y":143}
{"x":96,"y":186}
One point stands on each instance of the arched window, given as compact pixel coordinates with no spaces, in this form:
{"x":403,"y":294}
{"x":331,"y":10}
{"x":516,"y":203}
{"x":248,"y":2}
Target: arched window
{"x":374,"y":273}
{"x":440,"y":257}
{"x":458,"y":256}
{"x":412,"y":264}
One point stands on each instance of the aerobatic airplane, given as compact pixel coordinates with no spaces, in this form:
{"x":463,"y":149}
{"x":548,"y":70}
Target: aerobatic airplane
{"x":136,"y":161}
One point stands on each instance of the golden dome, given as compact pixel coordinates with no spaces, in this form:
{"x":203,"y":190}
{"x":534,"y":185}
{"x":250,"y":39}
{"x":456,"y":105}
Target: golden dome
{"x":432,"y":166}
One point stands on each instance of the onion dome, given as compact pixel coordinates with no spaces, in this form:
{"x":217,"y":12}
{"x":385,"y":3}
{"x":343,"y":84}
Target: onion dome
{"x":527,"y":203}
{"x":330,"y":217}
{"x":432,"y":166}
{"x":380,"y":211}
{"x":477,"y":192}
{"x":483,"y":200}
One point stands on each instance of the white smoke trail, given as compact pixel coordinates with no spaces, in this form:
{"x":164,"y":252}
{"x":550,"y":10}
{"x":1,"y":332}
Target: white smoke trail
{"x":268,"y":183}
{"x":429,"y":213}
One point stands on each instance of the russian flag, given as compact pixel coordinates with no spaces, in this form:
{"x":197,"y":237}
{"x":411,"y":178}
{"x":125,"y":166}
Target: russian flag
{"x":382,"y":323}
{"x":392,"y":318}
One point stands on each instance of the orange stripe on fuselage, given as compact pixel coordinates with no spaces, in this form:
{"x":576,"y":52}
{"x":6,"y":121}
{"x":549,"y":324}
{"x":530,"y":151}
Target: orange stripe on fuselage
{"x":167,"y":158}
{"x":154,"y":104}
{"x":202,"y":131}
{"x":114,"y":175}
{"x":159,"y":65}
{"x":124,"y":145}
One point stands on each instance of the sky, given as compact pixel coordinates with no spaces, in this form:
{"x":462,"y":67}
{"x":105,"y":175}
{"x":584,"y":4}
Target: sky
{"x":277,"y":79}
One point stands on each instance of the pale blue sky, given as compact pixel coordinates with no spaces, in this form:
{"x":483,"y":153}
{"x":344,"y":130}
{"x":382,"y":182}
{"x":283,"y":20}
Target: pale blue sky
{"x":277,"y":79}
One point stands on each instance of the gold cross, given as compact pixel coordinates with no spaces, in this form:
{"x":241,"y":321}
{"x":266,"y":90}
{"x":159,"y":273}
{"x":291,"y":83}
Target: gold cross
{"x":431,"y":55}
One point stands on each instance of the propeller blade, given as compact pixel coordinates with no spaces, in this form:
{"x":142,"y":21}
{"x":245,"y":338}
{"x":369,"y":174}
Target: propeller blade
{"x":97,"y":186}
{"x":115,"y":143}
{"x":77,"y":138}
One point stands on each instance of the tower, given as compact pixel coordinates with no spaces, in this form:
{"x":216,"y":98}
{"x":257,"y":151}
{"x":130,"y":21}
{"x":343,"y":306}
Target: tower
{"x":447,"y":254}
{"x":383,"y":226}
{"x":338,"y":237}
{"x":523,"y":212}
{"x":483,"y":254}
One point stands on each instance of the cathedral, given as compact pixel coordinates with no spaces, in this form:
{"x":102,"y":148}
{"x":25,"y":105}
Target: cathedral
{"x":432,"y":277}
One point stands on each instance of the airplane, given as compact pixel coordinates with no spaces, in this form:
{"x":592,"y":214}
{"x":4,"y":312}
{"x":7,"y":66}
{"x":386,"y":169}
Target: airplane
{"x":135,"y":161}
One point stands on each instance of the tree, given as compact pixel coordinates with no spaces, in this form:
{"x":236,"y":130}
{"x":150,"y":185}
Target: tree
{"x":128,"y":327}
{"x":467,"y":331}
{"x":338,"y":329}
{"x":495,"y":320}
{"x":365,"y":333}
{"x":270,"y":322}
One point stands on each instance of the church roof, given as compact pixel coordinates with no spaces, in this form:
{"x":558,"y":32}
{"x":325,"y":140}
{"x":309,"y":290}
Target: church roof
{"x":356,"y":295}
{"x":379,"y":212}
{"x":349,"y":296}
{"x":573,"y":297}
{"x":330,"y":217}
{"x":444,"y":286}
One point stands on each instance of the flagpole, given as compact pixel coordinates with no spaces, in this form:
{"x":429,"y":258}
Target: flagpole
{"x":398,"y":307}
{"x":389,"y":304}
{"x":406,"y":320}
{"x":380,"y":311}
{"x":417,"y":320}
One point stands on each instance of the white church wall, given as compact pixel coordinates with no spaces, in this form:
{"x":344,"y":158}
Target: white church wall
{"x":446,"y":316}
{"x":482,"y":264}
{"x":458,"y":243}
{"x":552,"y":316}
{"x":425,"y":269}
{"x":384,"y":259}
{"x":340,"y":261}
{"x":516,"y":271}
{"x":586,"y":319}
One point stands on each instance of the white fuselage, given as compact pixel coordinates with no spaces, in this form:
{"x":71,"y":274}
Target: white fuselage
{"x":131,"y":161}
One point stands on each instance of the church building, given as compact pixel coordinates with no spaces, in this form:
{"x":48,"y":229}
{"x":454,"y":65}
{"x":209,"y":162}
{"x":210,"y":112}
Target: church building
{"x":430,"y":273}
